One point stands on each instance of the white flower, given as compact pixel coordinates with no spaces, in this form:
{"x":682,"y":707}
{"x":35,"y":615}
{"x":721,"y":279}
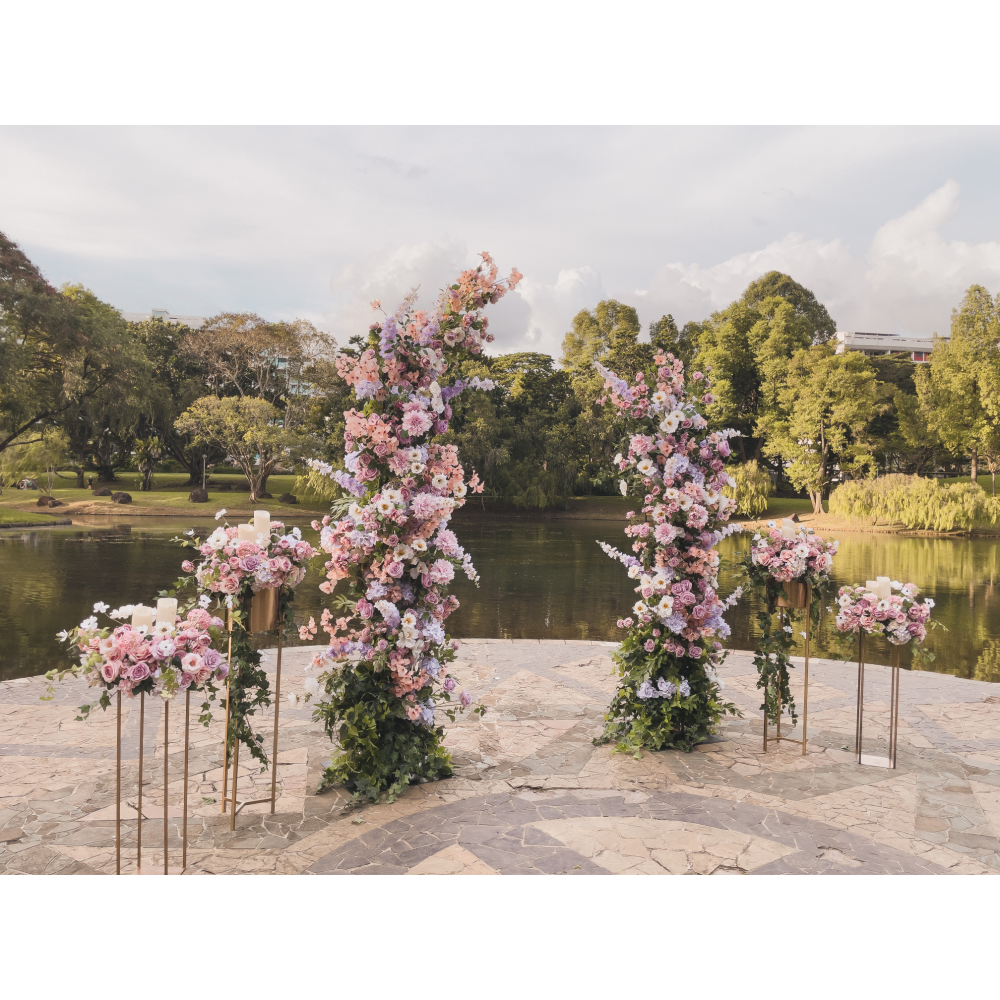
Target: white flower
{"x":645,"y":467}
{"x":221,"y":513}
{"x":440,"y":481}
{"x":460,"y":490}
{"x":786,"y":628}
{"x":671,"y":493}
{"x":218,"y":539}
{"x":409,"y":619}
{"x":88,"y":623}
{"x":660,"y":398}
{"x":623,"y":486}
{"x":293,"y":698}
{"x":384,"y":506}
{"x":402,"y":552}
{"x":414,"y":455}
{"x":671,"y":422}
{"x":618,"y":458}
{"x":928,"y":602}
{"x":640,"y":608}
{"x":896,"y":585}
{"x":204,"y":601}
{"x":419,"y":545}
{"x":62,"y":636}
{"x":163,"y":628}
{"x":417,"y":467}
{"x":312,"y":686}
{"x":634,"y":572}
{"x":355,"y":512}
{"x":100,"y":607}
{"x":666,"y":606}
{"x":229,"y":601}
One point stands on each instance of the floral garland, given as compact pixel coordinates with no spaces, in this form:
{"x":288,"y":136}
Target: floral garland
{"x":860,"y":610}
{"x":233,"y":570}
{"x":164,"y":659}
{"x":386,"y":672}
{"x":669,"y":694}
{"x":776,"y":557}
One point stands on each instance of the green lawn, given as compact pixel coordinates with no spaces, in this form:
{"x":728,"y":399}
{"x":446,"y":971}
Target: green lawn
{"x":9,"y":515}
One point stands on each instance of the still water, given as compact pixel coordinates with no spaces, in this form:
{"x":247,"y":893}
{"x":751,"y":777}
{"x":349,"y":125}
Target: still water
{"x":541,"y":580}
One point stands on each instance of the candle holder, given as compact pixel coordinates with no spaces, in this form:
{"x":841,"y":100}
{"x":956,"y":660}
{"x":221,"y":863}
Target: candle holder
{"x":796,"y":595}
{"x":263,"y":617}
{"x":871,"y":760}
{"x":167,"y":870}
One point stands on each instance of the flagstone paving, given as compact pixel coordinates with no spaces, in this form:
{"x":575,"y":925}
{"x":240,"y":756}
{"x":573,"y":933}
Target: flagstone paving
{"x":531,"y":793}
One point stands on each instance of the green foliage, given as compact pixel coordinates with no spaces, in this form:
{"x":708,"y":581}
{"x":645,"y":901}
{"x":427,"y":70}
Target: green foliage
{"x":678,"y":723}
{"x":924,"y":504}
{"x":753,"y":487}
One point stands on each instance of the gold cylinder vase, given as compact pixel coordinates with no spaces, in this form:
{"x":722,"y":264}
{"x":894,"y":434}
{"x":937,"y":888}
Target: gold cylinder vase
{"x":796,"y":595}
{"x":263,"y":611}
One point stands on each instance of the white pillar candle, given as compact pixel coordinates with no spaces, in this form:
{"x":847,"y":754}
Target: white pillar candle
{"x":787,"y":528}
{"x":884,"y":587}
{"x":262,"y":524}
{"x":142,"y":616}
{"x":246,"y":533}
{"x":166,"y":610}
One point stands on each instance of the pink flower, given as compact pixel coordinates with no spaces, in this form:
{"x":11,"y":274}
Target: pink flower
{"x":138,"y":672}
{"x":417,"y":422}
{"x":192,"y":663}
{"x":187,"y":566}
{"x":110,"y":671}
{"x":442,"y":571}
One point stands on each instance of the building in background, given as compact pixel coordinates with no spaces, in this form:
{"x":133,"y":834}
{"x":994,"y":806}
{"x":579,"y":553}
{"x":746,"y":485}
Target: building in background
{"x":194,"y":322}
{"x":918,"y":348}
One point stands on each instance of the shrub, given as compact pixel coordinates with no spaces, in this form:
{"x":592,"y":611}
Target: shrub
{"x":753,"y":487}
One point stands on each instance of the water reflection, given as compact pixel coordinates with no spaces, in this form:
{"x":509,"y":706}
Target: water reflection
{"x":544,"y":579}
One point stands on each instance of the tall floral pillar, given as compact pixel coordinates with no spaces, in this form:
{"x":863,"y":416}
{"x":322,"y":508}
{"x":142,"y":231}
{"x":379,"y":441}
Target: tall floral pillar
{"x":669,"y":692}
{"x":392,"y":554}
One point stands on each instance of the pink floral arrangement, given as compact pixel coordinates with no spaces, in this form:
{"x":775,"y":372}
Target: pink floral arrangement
{"x":392,"y":544}
{"x":163,"y":659}
{"x":228,"y":564}
{"x":801,"y":556}
{"x":899,"y":617}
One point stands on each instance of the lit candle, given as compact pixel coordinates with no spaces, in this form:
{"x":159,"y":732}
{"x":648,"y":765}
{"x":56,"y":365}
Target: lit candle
{"x":262,"y":524}
{"x":142,"y":616}
{"x":247,"y":533}
{"x":166,"y":610}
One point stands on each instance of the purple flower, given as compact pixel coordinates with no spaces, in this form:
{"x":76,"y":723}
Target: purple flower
{"x":685,"y":688}
{"x":449,"y":684}
{"x":645,"y":691}
{"x":465,"y":698}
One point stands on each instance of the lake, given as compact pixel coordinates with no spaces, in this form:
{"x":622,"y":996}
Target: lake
{"x":541,"y":579}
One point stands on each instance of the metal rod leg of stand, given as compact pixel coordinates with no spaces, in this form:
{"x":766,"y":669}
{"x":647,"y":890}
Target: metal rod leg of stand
{"x":225,"y":732}
{"x":118,"y":793}
{"x":236,"y":767}
{"x":187,"y":736}
{"x":805,"y":675}
{"x":861,"y":703}
{"x":277,"y":705}
{"x":166,"y":769}
{"x":142,"y":722}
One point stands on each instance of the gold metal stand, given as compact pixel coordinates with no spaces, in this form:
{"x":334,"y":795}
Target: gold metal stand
{"x":225,"y":732}
{"x":262,"y":617}
{"x":166,"y":788}
{"x":797,"y":595}
{"x":870,"y":759}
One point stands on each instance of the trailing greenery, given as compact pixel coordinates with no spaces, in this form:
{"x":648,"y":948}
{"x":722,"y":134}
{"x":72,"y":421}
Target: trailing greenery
{"x":917,"y":503}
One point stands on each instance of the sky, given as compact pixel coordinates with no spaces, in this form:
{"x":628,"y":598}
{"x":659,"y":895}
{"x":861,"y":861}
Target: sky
{"x":303,"y":162}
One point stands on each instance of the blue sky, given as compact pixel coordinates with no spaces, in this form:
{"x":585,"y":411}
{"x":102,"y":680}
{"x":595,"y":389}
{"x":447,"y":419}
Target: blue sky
{"x":302,"y":164}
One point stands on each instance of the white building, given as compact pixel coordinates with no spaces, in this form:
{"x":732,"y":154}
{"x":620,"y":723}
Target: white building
{"x":872,"y":344}
{"x":194,"y":322}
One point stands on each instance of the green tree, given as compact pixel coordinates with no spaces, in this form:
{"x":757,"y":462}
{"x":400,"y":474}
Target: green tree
{"x":683,"y":343}
{"x":148,"y":452}
{"x":807,"y":307}
{"x":249,"y":430}
{"x":821,"y":418}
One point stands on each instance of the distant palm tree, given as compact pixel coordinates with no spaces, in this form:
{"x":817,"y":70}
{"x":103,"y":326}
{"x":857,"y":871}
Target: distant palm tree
{"x":147,"y":454}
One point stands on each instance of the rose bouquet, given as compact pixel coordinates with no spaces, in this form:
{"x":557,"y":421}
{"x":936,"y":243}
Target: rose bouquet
{"x":778,"y":557}
{"x":669,"y":692}
{"x":236,"y":563}
{"x":230,"y":565}
{"x":385,"y":675}
{"x":163,"y":659}
{"x":896,"y":616}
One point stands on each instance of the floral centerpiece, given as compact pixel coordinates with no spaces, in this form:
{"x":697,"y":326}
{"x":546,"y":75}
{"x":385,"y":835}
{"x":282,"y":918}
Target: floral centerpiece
{"x":780,"y":556}
{"x":163,"y":659}
{"x":385,"y":675}
{"x":231,"y":570}
{"x":899,"y":617}
{"x":669,"y":694}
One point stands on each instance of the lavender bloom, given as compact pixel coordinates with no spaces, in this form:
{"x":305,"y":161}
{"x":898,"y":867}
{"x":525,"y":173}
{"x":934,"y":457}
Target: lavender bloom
{"x":375,"y":591}
{"x":433,"y":631}
{"x":676,"y":623}
{"x":349,"y":483}
{"x":449,"y":684}
{"x":666,"y":688}
{"x":432,"y":666}
{"x":365,"y":389}
{"x":389,"y":612}
{"x":685,"y":688}
{"x":645,"y":691}
{"x":465,"y":698}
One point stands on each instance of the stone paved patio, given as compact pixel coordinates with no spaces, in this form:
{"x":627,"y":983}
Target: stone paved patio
{"x":531,"y":794}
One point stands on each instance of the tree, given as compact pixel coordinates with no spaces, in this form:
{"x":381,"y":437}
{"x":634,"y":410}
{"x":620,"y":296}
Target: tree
{"x":148,"y":452}
{"x":609,"y":334}
{"x":40,"y":456}
{"x":821,"y":417}
{"x":958,"y":389}
{"x":683,"y":344}
{"x":807,"y":307}
{"x":249,"y":430}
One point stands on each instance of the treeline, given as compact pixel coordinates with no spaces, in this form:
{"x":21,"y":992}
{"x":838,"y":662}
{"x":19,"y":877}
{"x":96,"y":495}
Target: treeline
{"x":83,"y":390}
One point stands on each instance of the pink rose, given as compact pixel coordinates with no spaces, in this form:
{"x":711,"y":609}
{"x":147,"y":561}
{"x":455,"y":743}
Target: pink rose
{"x":191,"y":663}
{"x":110,"y":671}
{"x":138,"y":672}
{"x":187,"y":566}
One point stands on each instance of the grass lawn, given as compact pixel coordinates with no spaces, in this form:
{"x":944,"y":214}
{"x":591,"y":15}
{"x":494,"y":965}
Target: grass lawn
{"x":10,"y":515}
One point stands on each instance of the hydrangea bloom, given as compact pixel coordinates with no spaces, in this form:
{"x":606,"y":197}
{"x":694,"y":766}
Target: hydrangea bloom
{"x":669,"y":691}
{"x":388,"y":654}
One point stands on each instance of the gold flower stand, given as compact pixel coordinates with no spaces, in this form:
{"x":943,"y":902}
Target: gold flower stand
{"x":263,"y":617}
{"x":797,"y":595}
{"x":872,"y":760}
{"x":167,"y":870}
